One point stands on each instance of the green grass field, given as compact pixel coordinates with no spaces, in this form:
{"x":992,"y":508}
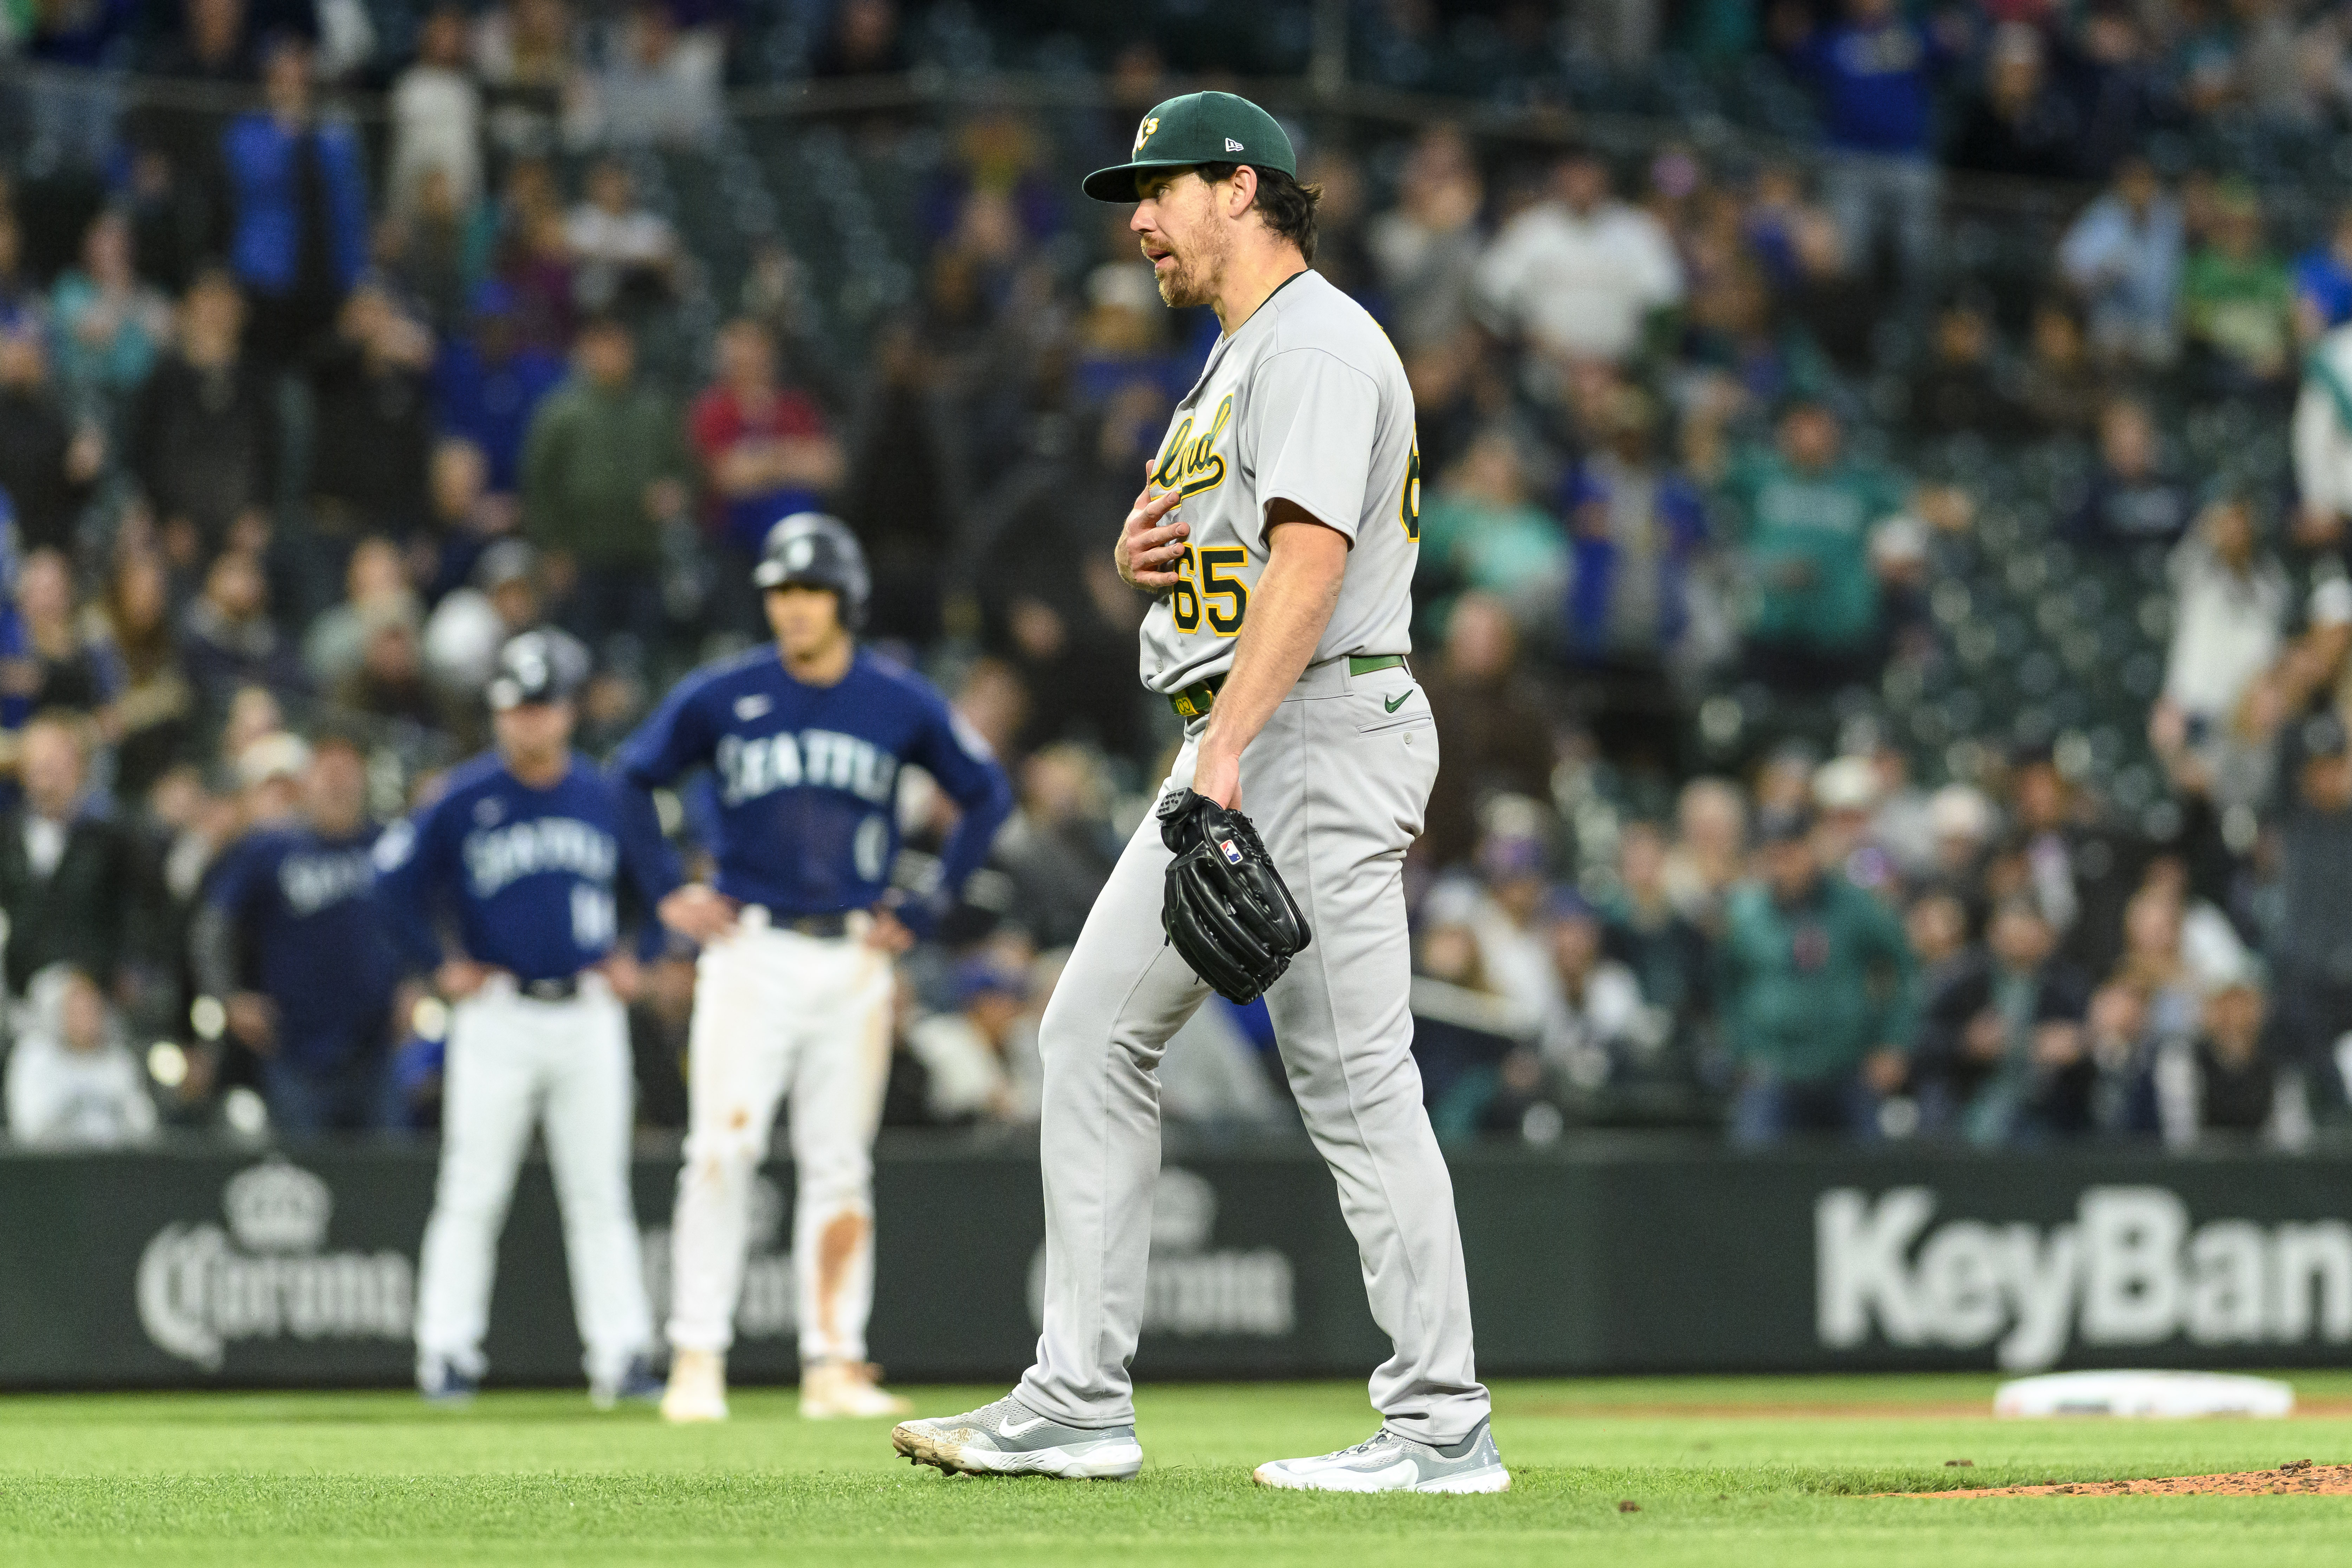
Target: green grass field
{"x":1748,"y":1472}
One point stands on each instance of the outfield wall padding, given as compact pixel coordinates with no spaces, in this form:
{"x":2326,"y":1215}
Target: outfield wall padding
{"x":212,"y":1268}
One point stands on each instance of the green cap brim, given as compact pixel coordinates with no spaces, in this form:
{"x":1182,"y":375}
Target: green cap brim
{"x":1116,"y":183}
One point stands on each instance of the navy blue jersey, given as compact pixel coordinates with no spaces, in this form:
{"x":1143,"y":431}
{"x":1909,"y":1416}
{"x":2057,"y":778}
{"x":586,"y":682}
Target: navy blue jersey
{"x":531,"y":875}
{"x":304,"y":908}
{"x":805,"y":776}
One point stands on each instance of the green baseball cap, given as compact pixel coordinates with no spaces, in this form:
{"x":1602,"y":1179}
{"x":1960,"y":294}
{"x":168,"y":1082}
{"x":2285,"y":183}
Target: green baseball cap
{"x":1197,"y":128}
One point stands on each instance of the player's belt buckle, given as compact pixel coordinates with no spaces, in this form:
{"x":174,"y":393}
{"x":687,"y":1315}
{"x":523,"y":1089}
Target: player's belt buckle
{"x":827,"y":926}
{"x":560,"y":988}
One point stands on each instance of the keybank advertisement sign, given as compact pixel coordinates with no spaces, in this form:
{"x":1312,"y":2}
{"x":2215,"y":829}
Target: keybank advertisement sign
{"x":2133,"y":1267}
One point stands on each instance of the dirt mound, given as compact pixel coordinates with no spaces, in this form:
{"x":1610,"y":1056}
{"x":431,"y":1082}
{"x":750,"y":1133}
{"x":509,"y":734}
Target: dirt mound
{"x":2295,"y":1477}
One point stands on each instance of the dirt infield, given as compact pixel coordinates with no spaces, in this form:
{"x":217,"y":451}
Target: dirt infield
{"x":2296,"y":1477}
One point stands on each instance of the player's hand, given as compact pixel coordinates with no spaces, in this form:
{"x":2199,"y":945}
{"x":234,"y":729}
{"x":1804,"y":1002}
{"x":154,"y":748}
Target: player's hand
{"x":1147,"y":543}
{"x":252,"y":1019}
{"x":458,"y":978}
{"x":621,"y":972}
{"x":888,"y":934}
{"x":700,"y":912}
{"x":1217,"y":775}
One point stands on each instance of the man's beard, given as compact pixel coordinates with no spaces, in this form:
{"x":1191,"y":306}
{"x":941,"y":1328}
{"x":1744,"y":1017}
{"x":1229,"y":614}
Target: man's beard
{"x":1191,"y":281}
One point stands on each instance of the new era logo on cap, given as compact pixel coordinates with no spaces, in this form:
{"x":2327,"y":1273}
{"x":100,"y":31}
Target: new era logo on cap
{"x":1232,"y":854}
{"x":1232,"y":145}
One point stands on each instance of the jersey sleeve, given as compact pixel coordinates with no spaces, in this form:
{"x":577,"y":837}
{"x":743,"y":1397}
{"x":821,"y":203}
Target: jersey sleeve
{"x":675,"y":741}
{"x":1313,"y":421}
{"x":952,"y":752}
{"x":410,"y":864}
{"x":648,"y":861}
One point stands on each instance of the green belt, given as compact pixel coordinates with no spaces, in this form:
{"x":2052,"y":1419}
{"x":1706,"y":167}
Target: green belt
{"x":1194,"y":702}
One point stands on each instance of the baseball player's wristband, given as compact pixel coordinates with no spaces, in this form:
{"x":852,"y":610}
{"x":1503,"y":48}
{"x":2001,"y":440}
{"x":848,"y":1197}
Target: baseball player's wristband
{"x":1194,"y":702}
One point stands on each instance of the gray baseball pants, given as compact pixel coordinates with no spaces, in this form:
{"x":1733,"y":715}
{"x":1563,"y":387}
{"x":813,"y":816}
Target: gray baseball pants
{"x":1336,"y":783}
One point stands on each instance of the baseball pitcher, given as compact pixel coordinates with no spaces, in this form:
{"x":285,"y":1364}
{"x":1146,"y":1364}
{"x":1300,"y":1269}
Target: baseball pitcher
{"x":1277,"y":530}
{"x":792,"y":995}
{"x":520,"y":862}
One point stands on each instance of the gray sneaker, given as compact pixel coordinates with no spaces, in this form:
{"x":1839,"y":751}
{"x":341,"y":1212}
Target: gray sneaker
{"x":1386,"y":1462}
{"x":1008,"y":1438}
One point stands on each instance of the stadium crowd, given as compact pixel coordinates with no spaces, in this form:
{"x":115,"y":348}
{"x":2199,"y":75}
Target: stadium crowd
{"x":1755,"y":812}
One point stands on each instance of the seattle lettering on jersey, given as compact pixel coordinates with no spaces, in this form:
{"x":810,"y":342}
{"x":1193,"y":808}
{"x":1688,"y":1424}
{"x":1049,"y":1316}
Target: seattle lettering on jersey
{"x":312,"y":882}
{"x":752,"y":766}
{"x":498,"y":856}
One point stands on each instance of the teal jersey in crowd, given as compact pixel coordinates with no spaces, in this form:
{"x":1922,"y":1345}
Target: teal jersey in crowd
{"x":1807,"y":539}
{"x":1810,"y":989}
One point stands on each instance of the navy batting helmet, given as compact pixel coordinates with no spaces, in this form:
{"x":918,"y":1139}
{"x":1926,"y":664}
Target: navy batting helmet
{"x":811,"y":548}
{"x":543,"y":665}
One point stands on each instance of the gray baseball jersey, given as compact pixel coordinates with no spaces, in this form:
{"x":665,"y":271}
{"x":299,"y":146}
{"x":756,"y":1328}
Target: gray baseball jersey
{"x":1306,"y":402}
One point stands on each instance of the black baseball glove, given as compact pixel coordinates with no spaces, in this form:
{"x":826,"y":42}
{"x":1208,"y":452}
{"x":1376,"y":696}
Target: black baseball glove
{"x":1227,"y":909}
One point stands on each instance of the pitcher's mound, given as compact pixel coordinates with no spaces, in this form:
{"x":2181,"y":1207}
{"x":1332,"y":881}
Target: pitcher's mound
{"x":2298,"y":1476}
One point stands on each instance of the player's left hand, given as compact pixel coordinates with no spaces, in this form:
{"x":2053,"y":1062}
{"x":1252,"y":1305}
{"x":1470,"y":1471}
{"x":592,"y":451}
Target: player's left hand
{"x":888,"y":934}
{"x":698,"y":912}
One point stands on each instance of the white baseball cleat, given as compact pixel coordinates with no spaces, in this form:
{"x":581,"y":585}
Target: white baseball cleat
{"x":831,"y":1388}
{"x":1008,"y":1438}
{"x":1386,"y":1462}
{"x":697,"y":1387}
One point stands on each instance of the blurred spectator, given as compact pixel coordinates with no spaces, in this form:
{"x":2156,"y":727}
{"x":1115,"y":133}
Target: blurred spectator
{"x":436,"y":117}
{"x":2322,"y":440}
{"x":153,"y":716}
{"x":2236,"y":306}
{"x":1503,"y":910}
{"x":2312,"y":949}
{"x":2078,"y":872}
{"x":1059,"y":847}
{"x":2017,"y":124}
{"x":2001,"y":1056}
{"x":2117,"y":84}
{"x":1480,"y":525}
{"x":2323,"y":282}
{"x":1710,"y":851}
{"x":766,"y":450}
{"x":1491,"y":728}
{"x":1806,"y":512}
{"x":291,"y":940}
{"x":1426,"y":248}
{"x":109,"y":325}
{"x":389,"y":682}
{"x":2231,"y":599}
{"x":865,"y":41}
{"x":48,"y":466}
{"x":1873,"y":74}
{"x":205,"y":439}
{"x":72,"y":1081}
{"x":227,"y":640}
{"x":2131,"y":500}
{"x":488,"y":385}
{"x":1668,"y":954}
{"x":524,"y":54}
{"x":374,"y":426}
{"x":375,"y":584}
{"x":604,"y":467}
{"x":1961,"y":388}
{"x":2124,"y":257}
{"x":625,"y":254}
{"x":298,"y":200}
{"x":75,"y":666}
{"x":1579,"y":274}
{"x":2224,"y":1081}
{"x":1598,"y":1025}
{"x":68,"y":885}
{"x":533,"y":257}
{"x":1636,"y":531}
{"x":1818,"y":992}
{"x":2064,"y":386}
{"x":465,"y":519}
{"x":659,"y":86}
{"x":979,"y":1061}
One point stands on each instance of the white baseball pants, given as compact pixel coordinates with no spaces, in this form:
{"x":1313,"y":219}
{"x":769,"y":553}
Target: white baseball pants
{"x":513,"y":1064}
{"x":779,"y":1014}
{"x":1336,"y":783}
